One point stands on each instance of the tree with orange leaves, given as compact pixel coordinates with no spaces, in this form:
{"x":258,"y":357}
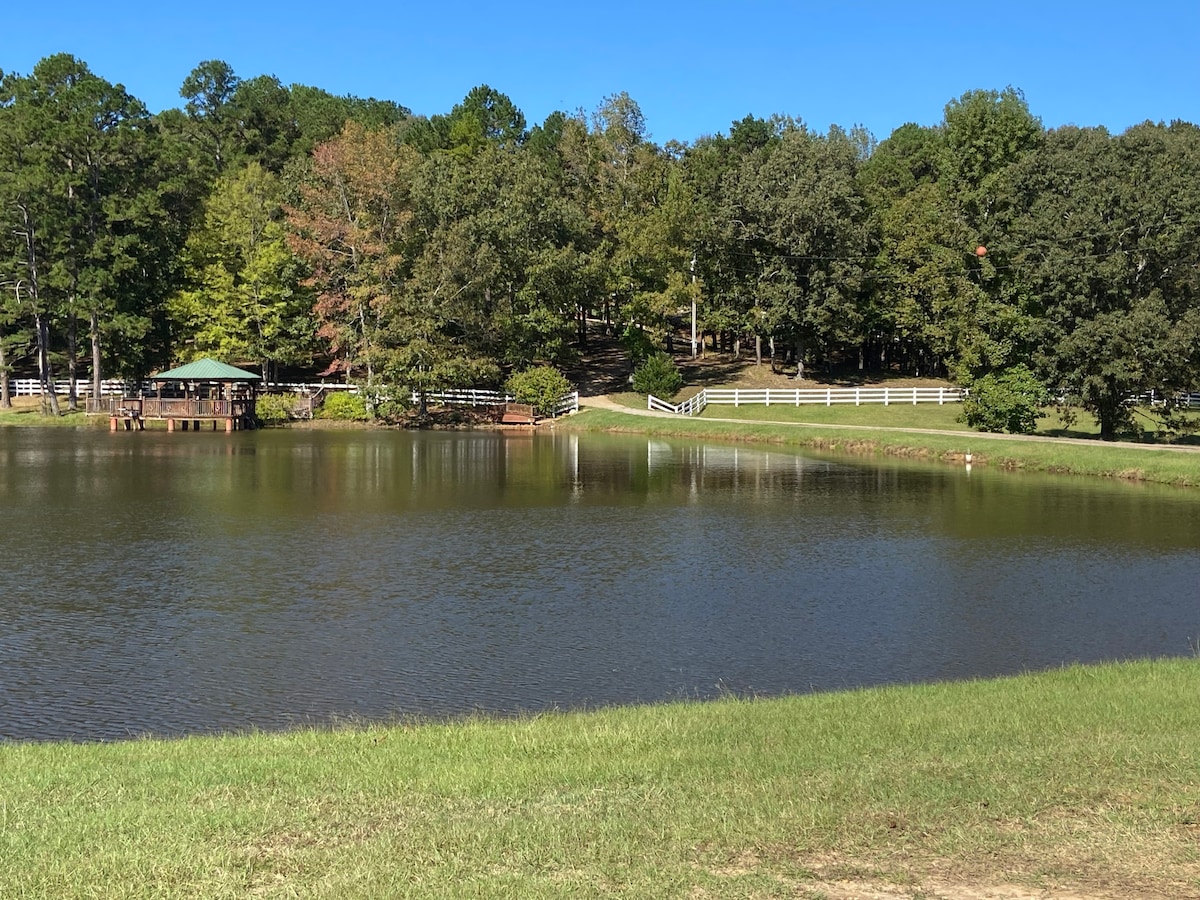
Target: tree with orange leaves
{"x":350,"y":226}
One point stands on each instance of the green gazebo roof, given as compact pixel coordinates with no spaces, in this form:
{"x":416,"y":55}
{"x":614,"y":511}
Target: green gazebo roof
{"x":206,"y":370}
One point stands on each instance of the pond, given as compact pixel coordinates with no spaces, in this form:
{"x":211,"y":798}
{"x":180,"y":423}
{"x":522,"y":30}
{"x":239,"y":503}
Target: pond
{"x":183,"y":583}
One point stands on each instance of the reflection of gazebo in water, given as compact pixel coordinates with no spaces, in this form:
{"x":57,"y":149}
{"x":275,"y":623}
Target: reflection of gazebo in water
{"x":201,"y":391}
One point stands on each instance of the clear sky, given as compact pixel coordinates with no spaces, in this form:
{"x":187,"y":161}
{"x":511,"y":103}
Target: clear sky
{"x":692,"y":67}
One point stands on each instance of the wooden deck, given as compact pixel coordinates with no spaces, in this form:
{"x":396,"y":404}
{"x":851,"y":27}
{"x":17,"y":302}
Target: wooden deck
{"x":517,"y":414}
{"x":132,"y":412}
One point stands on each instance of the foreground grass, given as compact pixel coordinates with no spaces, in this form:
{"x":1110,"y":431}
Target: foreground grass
{"x":1152,"y":463}
{"x":1084,"y":777}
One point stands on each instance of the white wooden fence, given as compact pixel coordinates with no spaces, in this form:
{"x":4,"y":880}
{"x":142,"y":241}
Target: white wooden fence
{"x":807,"y":396}
{"x":31,"y":387}
{"x":1154,"y":398}
{"x":568,"y":403}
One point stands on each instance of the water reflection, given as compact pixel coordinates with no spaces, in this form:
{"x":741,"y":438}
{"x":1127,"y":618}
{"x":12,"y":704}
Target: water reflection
{"x":176,"y":583}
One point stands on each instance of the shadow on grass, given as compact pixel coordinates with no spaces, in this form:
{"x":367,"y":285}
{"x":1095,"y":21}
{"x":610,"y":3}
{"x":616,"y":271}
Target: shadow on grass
{"x":1140,"y":437}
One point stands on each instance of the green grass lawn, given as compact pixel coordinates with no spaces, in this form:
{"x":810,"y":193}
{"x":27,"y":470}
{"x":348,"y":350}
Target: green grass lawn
{"x":1083,"y":777}
{"x":943,"y":417}
{"x":895,"y":415}
{"x":921,"y":415}
{"x":26,"y":411}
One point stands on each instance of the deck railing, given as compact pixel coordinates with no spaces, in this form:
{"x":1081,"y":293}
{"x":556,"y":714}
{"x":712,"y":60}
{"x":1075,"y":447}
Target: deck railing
{"x":171,"y":408}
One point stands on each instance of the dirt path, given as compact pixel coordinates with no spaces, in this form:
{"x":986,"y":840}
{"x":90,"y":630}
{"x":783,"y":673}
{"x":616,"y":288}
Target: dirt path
{"x":603,"y":402}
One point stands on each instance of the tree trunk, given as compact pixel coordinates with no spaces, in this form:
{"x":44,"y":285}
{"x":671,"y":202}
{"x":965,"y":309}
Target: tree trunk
{"x":94,"y":331}
{"x":45,"y":372}
{"x":799,"y":360}
{"x":41,"y":327}
{"x":758,"y":349}
{"x":72,"y":359}
{"x":5,"y":399}
{"x":771,"y":346}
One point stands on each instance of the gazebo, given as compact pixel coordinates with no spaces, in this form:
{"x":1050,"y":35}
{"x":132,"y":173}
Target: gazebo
{"x":201,"y":391}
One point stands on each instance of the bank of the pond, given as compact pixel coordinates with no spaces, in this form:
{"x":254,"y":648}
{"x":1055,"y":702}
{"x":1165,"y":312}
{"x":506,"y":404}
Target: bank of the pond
{"x":1153,"y":463}
{"x":31,"y":417}
{"x":1079,"y":782}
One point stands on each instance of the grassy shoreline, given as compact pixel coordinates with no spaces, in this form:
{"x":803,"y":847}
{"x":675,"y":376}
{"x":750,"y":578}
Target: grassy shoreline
{"x":1150,"y":464}
{"x":1081,"y":779}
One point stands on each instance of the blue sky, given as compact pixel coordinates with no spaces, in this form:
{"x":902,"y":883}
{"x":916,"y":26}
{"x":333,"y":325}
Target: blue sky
{"x":693,"y":67}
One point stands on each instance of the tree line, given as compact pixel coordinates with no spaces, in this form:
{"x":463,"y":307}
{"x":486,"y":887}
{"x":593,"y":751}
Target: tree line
{"x":289,"y":227}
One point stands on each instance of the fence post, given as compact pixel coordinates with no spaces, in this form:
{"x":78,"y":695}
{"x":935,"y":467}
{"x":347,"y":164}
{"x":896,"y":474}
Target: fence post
{"x":914,"y":396}
{"x":829,"y":396}
{"x":857,"y":398}
{"x":735,"y":398}
{"x":941,"y":396}
{"x":768,"y":395}
{"x":886,"y":396}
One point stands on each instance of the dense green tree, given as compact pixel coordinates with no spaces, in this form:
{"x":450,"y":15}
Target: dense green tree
{"x":209,"y":90}
{"x":244,"y":299}
{"x":801,"y":223}
{"x":983,"y":132}
{"x":496,"y":254}
{"x":265,"y":126}
{"x":485,"y":116}
{"x":1104,"y":238}
{"x":85,"y":194}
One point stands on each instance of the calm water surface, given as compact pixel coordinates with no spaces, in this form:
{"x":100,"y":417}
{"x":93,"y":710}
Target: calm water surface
{"x":198,"y":582}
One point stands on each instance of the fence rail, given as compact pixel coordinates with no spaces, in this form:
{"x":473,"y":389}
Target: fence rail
{"x":568,"y":403}
{"x":31,"y":387}
{"x":470,"y":397}
{"x":1156,"y":398}
{"x":806,"y":396}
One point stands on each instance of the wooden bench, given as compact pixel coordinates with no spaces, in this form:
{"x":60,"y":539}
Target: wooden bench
{"x":517,"y":414}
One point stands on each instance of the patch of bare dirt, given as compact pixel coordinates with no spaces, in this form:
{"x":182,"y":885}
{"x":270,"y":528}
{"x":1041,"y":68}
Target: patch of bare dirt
{"x":945,"y":890}
{"x":834,"y":878}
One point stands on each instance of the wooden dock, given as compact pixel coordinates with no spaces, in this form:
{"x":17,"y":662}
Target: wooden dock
{"x":131,"y":413}
{"x":517,"y":414}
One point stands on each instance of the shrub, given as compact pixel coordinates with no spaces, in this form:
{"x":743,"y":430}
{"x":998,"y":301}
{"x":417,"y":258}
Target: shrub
{"x":345,"y":406}
{"x":541,"y":386}
{"x":1008,"y":401}
{"x":637,"y":344}
{"x":658,"y":375}
{"x":272,"y":409}
{"x":387,"y":402}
